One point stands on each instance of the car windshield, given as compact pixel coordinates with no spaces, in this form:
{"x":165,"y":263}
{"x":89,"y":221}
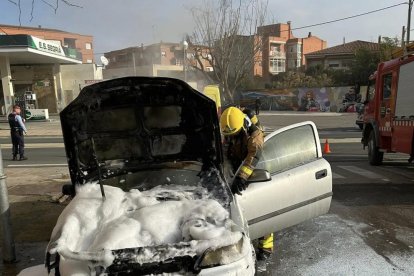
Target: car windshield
{"x":149,"y":178}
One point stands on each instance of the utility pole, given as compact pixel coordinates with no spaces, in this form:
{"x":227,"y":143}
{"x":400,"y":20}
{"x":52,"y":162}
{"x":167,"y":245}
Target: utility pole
{"x":8,"y":248}
{"x":410,"y":6}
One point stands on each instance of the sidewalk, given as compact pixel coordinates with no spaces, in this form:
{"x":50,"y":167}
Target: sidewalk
{"x":33,"y":194}
{"x":35,"y":128}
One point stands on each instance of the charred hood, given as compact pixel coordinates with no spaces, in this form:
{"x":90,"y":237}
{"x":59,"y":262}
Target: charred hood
{"x":136,"y":122}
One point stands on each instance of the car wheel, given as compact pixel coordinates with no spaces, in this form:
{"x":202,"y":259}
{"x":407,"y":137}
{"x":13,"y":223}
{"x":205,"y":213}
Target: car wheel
{"x":374,"y":155}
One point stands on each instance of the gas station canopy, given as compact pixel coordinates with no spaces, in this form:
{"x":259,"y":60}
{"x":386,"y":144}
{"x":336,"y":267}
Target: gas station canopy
{"x":27,"y":49}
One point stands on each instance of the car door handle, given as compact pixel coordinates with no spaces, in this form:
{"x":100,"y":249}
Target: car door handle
{"x":321,"y":174}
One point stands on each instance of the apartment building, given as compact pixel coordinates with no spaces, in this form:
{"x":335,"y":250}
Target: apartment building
{"x":163,"y":59}
{"x":281,"y":50}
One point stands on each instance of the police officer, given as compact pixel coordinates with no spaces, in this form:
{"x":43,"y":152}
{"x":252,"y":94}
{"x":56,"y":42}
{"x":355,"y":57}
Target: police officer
{"x":245,"y":139}
{"x":17,"y":128}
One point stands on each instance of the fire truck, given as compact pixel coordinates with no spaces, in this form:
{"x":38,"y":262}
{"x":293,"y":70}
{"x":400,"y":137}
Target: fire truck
{"x":389,"y":109}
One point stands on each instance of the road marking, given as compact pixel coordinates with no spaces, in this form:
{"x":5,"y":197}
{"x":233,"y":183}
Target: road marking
{"x":341,"y":140}
{"x":36,"y":145}
{"x":322,"y":140}
{"x":337,"y":176}
{"x":316,"y":114}
{"x":36,"y":165}
{"x":364,"y":173}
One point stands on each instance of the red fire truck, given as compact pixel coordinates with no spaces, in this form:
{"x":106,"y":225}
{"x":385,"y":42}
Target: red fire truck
{"x":389,"y":110}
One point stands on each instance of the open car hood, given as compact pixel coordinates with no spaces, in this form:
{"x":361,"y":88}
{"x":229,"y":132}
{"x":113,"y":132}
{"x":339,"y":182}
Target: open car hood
{"x":125,"y":124}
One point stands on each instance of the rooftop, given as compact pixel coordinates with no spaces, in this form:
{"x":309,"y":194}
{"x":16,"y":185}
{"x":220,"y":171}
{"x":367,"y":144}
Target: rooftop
{"x":37,"y":29}
{"x":347,"y":48}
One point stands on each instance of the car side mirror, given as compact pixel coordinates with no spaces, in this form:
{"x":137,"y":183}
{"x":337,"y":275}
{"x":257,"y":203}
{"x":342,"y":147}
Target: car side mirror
{"x":259,"y":175}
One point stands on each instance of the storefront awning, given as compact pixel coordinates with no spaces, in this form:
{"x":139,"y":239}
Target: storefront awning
{"x":26,"y":49}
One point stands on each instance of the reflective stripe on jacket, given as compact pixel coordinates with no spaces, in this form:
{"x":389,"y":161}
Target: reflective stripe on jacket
{"x":243,"y":150}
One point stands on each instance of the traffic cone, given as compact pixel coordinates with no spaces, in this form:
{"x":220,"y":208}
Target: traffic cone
{"x":326,"y":148}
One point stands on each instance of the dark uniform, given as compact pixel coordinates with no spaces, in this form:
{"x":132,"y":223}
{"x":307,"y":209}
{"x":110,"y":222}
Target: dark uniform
{"x":16,"y":132}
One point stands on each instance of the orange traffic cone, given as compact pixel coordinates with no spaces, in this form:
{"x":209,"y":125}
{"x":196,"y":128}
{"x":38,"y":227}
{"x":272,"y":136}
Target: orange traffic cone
{"x":326,"y":148}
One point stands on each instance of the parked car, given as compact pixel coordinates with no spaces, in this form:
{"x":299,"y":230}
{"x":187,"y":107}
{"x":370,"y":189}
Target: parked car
{"x":147,"y":152}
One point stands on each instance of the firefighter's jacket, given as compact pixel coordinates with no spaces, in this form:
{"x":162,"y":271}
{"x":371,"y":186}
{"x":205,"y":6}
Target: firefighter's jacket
{"x":243,"y":149}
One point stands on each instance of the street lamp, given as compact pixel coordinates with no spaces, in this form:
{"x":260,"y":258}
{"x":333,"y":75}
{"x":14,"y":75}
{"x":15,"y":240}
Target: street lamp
{"x":185,"y":47}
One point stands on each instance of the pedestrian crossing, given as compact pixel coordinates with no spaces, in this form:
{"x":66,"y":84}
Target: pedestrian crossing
{"x":348,"y":174}
{"x":362,"y":172}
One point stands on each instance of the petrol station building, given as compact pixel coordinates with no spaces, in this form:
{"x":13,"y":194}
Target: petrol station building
{"x":43,"y":68}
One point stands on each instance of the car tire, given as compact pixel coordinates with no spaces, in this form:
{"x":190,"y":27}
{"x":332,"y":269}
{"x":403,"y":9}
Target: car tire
{"x":375,"y":156}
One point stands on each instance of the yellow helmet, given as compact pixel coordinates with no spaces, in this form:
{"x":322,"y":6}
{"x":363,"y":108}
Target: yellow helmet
{"x":232,"y":120}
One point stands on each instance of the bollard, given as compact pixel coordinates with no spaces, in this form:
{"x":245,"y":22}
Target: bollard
{"x":9,"y":253}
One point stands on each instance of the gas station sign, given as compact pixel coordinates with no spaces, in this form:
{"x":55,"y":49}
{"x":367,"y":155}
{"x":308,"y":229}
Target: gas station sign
{"x":52,"y":47}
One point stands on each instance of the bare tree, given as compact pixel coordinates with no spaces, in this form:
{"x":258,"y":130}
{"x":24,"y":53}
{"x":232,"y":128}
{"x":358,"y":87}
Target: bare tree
{"x":225,"y":39}
{"x":53,"y":4}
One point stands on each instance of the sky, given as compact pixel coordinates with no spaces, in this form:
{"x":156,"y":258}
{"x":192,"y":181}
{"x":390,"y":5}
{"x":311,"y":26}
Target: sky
{"x":117,"y":24}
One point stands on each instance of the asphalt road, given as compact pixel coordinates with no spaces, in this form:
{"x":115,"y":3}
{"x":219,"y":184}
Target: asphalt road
{"x":370,"y":227}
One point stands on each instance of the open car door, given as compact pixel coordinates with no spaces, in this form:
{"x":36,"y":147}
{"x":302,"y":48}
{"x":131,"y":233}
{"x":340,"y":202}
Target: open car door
{"x":300,"y":187}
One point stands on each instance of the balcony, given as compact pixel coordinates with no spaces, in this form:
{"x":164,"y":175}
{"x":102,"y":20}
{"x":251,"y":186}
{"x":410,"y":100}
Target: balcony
{"x":72,"y":53}
{"x":277,"y":54}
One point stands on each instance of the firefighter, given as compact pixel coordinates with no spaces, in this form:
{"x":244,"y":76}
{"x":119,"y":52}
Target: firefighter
{"x":245,"y":139}
{"x":17,"y":128}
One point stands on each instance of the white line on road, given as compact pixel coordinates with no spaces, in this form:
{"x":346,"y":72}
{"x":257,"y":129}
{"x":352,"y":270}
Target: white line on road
{"x":364,"y":173}
{"x":37,"y":165}
{"x":337,"y":176}
{"x":316,"y":114}
{"x":341,"y":140}
{"x":36,"y":145}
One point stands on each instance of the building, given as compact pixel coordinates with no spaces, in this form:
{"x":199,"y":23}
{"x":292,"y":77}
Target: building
{"x":160,"y":59}
{"x":340,"y":56}
{"x":278,"y":51}
{"x":82,"y":44}
{"x":281,"y":50}
{"x":50,"y":65}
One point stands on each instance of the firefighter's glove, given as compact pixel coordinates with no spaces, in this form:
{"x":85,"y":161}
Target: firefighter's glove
{"x":239,"y":185}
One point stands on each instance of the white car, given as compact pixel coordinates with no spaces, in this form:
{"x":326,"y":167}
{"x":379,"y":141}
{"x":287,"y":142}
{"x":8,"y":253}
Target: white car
{"x":152,"y":147}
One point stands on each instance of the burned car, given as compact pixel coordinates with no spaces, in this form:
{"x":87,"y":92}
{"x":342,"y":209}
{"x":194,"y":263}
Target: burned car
{"x":150,"y":194}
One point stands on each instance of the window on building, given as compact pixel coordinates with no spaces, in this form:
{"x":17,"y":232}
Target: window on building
{"x":88,"y":46}
{"x":69,"y":42}
{"x":163,"y":53}
{"x":277,"y":65}
{"x":333,"y":65}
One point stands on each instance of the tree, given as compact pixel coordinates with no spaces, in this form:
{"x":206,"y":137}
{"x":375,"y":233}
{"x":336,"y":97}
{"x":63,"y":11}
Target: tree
{"x":296,"y":79}
{"x":53,"y":4}
{"x":387,"y":47}
{"x":225,"y":38}
{"x":364,"y":65}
